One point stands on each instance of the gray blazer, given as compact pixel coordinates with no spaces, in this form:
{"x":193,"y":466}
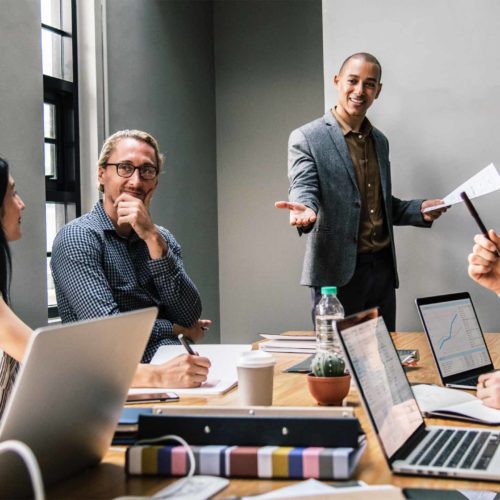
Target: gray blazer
{"x":322,"y":177}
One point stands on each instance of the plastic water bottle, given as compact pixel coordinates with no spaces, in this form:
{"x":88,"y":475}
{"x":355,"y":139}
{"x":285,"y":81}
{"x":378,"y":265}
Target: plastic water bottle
{"x":328,"y":311}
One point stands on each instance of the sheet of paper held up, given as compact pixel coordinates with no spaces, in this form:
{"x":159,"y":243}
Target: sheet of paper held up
{"x":222,"y":376}
{"x":485,"y":181}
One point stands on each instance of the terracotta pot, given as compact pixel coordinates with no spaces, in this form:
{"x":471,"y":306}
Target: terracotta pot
{"x":329,"y":390}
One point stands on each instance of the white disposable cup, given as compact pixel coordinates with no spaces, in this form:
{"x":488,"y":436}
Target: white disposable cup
{"x":255,"y":378}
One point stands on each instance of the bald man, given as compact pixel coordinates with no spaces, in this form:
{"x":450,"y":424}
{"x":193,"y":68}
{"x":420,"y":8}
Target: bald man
{"x":340,"y":193}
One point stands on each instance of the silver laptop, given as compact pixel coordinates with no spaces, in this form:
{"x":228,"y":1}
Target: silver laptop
{"x":410,"y":447}
{"x":456,"y":339}
{"x":69,"y":395}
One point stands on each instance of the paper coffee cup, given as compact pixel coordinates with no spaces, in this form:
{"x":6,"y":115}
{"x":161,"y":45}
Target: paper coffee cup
{"x":255,"y":378}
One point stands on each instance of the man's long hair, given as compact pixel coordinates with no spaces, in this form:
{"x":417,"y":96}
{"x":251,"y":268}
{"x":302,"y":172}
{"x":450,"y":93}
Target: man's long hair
{"x":5,"y":258}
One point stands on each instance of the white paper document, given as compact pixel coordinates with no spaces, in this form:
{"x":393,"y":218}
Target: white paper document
{"x":282,"y":337}
{"x":222,"y":376}
{"x":485,"y":181}
{"x":301,"y":346}
{"x":312,"y":488}
{"x":453,"y":403}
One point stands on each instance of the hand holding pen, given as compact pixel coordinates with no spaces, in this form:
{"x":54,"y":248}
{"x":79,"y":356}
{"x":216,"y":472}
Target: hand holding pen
{"x":484,"y":262}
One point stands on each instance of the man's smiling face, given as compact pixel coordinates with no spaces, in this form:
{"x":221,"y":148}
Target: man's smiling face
{"x":358,"y":85}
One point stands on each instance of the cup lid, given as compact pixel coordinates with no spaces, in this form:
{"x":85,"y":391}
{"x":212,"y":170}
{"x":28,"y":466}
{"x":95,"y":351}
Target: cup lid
{"x":256,"y":359}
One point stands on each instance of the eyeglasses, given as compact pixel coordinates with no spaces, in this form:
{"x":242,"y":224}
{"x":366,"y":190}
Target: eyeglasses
{"x":124,"y":169}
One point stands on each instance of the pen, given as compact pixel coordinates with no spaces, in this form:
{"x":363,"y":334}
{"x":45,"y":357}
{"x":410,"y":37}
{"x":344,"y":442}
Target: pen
{"x":475,"y":215}
{"x":184,"y":342}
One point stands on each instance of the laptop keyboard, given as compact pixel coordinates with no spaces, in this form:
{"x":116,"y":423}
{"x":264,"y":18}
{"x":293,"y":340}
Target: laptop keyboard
{"x":449,"y":447}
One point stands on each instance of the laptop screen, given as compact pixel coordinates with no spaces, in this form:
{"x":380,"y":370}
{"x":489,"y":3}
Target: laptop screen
{"x":454,"y":333}
{"x":381,"y":380}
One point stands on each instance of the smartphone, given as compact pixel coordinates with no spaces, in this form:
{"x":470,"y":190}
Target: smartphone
{"x":152,"y":397}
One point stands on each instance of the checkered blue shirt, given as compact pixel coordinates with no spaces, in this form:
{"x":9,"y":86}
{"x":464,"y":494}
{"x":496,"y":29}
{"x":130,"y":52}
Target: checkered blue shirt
{"x":97,"y":273}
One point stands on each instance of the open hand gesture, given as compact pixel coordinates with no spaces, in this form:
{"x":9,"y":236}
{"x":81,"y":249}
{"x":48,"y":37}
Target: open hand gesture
{"x":300,"y":215}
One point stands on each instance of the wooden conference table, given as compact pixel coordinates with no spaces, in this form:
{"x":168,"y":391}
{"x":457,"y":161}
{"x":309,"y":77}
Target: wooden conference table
{"x":108,"y":480}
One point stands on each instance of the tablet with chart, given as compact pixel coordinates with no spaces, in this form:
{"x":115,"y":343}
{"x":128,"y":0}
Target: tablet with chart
{"x":454,"y":333}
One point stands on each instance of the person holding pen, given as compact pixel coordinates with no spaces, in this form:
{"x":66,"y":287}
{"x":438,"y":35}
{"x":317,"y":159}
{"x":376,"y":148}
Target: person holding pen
{"x":484,"y":268}
{"x":484,"y":264}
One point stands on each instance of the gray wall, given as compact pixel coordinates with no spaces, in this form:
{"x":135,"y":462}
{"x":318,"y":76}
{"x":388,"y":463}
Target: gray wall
{"x":161,"y":79}
{"x":21,"y":143}
{"x":269,"y":80}
{"x":439,"y":108}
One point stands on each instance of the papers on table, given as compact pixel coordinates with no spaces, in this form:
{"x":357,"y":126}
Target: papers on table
{"x":452,"y":403}
{"x":485,"y":181}
{"x":304,"y":344}
{"x":222,"y":376}
{"x":312,"y":488}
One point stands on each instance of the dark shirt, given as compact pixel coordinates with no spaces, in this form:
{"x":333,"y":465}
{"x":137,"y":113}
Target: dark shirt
{"x":98,"y":273}
{"x":373,"y":235}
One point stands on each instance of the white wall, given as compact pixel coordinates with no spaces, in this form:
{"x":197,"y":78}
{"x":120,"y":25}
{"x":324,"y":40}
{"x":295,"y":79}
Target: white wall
{"x":21,"y":143}
{"x":439,"y":108}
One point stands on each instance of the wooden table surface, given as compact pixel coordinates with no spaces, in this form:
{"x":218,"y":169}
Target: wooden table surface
{"x":108,"y":480}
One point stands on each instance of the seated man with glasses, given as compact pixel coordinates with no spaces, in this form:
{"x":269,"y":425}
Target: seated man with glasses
{"x":115,"y":259}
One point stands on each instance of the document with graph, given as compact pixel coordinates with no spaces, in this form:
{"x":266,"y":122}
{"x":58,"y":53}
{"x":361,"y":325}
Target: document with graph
{"x":456,"y":339}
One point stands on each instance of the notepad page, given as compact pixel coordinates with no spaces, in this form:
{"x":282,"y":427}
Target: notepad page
{"x":222,"y":375}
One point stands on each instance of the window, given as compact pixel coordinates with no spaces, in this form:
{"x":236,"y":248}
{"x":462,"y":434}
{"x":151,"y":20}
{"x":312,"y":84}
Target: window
{"x":60,"y":123}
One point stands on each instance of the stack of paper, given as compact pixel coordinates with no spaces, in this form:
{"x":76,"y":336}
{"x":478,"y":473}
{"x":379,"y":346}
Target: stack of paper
{"x":304,"y":344}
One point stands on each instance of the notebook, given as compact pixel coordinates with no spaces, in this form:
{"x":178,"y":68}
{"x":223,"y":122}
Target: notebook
{"x":409,"y":446}
{"x":456,"y":339}
{"x":69,"y":394}
{"x":222,"y":376}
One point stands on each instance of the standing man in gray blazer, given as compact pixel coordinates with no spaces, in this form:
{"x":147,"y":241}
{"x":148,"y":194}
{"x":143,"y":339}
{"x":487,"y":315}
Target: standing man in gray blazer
{"x":340,"y":193}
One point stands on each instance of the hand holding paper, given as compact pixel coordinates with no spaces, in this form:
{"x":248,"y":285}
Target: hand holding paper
{"x":432,"y":209}
{"x":485,"y":181}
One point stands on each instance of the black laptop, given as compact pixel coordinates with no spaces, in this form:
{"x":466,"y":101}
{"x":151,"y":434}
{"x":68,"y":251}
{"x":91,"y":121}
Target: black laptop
{"x":456,"y":339}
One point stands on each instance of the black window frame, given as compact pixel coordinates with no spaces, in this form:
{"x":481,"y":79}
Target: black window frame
{"x":63,"y":94}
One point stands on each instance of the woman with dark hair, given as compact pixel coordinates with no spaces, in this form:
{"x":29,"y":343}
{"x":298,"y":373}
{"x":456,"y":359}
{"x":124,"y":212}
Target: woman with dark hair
{"x":14,"y":334}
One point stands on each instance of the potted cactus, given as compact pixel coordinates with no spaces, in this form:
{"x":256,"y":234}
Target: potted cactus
{"x":328,"y":383}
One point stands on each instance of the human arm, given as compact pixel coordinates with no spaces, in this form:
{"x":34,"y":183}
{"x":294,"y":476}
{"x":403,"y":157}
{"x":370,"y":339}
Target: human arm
{"x":132,"y":212}
{"x":14,"y":333}
{"x":303,"y":192}
{"x":182,"y":371}
{"x":433,"y":214}
{"x":484,"y":263}
{"x":178,"y":295}
{"x":196,"y":332}
{"x":488,"y":389}
{"x":300,"y":215}
{"x":83,"y":287}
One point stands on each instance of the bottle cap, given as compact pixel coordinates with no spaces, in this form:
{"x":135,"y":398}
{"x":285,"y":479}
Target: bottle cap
{"x":328,"y":290}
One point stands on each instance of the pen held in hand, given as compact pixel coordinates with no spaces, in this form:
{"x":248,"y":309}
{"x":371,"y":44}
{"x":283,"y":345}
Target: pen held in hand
{"x":476,"y":217}
{"x":186,"y":345}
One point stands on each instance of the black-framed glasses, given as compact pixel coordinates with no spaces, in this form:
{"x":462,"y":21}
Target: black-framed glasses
{"x":125,"y":169}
